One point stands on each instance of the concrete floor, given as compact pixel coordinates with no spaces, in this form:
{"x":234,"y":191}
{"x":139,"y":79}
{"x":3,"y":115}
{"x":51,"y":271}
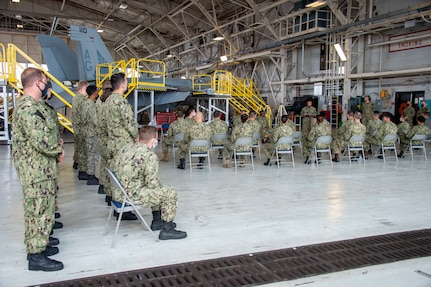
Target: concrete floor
{"x":228,"y":213}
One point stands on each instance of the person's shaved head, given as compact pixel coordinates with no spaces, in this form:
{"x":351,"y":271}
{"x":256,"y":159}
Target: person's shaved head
{"x":199,"y":117}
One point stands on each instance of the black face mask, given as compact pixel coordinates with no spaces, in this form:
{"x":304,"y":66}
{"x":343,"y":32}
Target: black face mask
{"x":45,"y":90}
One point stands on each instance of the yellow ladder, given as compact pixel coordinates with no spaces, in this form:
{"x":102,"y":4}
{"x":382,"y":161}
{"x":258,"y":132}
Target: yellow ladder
{"x":13,"y":66}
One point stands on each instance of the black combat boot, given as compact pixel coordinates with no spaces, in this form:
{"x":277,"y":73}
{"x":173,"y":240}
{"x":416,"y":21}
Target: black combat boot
{"x":126,"y":216}
{"x":182,"y":164}
{"x":307,"y":160}
{"x":101,"y":189}
{"x":49,"y":251}
{"x":157,"y":222}
{"x":75,"y":165}
{"x":267,"y":162}
{"x":92,"y":180}
{"x":57,"y":225}
{"x":108,"y":200}
{"x":39,"y":262}
{"x":82,"y":175}
{"x":53,"y":241}
{"x":57,"y":215}
{"x":201,"y":162}
{"x":168,"y":231}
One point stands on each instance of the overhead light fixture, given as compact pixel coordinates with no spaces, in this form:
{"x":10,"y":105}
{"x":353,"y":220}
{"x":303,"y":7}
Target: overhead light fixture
{"x":169,"y":54}
{"x":340,"y":52}
{"x":223,"y":58}
{"x":15,"y":1}
{"x":110,"y":20}
{"x":19,"y":26}
{"x":218,"y":38}
{"x":123,"y":6}
{"x":315,"y":4}
{"x":18,"y":16}
{"x":100,"y":30}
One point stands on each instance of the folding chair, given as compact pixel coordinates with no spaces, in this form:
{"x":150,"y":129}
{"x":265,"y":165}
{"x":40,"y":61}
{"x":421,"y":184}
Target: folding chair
{"x":239,"y":150}
{"x":205,"y":144}
{"x":121,"y":207}
{"x":389,"y":143}
{"x":281,"y":150}
{"x":417,"y":142}
{"x":325,"y":142}
{"x":256,"y":142}
{"x":297,"y":140}
{"x":177,"y":138}
{"x":356,"y":144}
{"x":218,"y":138}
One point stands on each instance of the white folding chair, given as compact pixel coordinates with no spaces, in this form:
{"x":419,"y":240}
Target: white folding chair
{"x":355,"y":144}
{"x":297,"y":140}
{"x":389,"y":143}
{"x":280,"y":150}
{"x":217,"y":138}
{"x":204,"y":144}
{"x":256,"y":142}
{"x":417,"y":142}
{"x":325,"y":143}
{"x":177,"y":138}
{"x":125,"y":206}
{"x":239,"y":150}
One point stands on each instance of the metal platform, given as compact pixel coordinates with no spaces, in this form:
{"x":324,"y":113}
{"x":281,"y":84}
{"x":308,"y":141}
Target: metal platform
{"x":272,"y":266}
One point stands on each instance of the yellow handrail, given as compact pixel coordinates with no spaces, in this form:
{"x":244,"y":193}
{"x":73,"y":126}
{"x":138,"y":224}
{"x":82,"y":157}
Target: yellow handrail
{"x":3,"y":61}
{"x":65,"y":122}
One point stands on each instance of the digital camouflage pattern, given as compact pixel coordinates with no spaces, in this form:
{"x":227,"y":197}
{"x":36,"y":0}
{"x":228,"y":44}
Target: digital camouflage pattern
{"x":176,"y":127}
{"x":256,"y":128}
{"x":308,"y":115}
{"x":418,"y":130}
{"x":367,"y":110}
{"x":410,"y":112}
{"x":342,"y":140}
{"x":239,"y":131}
{"x":89,"y":112}
{"x":403,"y":129}
{"x":373,"y":126}
{"x":137,"y":168}
{"x":322,"y":129}
{"x":121,"y":124}
{"x":35,"y":149}
{"x":195,"y":131}
{"x":282,"y":130}
{"x":385,"y":129}
{"x":102,"y":133}
{"x":80,"y":155}
{"x":218,"y":127}
{"x":421,"y":111}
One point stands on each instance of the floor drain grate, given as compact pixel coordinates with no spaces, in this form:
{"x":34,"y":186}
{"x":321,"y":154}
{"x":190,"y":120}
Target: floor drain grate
{"x":271,"y":266}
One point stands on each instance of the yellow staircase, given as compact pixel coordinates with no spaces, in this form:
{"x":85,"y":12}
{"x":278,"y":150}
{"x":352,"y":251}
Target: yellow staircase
{"x":13,"y":66}
{"x":142,"y":74}
{"x":244,"y":95}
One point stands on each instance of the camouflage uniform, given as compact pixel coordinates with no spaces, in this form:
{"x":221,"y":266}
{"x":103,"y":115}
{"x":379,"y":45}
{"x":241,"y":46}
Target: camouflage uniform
{"x":282,"y":130}
{"x":90,"y":122}
{"x":237,"y":120}
{"x":196,"y":131}
{"x":137,"y":167}
{"x":373,"y":126}
{"x":403,"y":129}
{"x":385,"y":129}
{"x":307,"y":115}
{"x":35,"y":150}
{"x":102,"y":134}
{"x":367,"y":112}
{"x":416,"y":130}
{"x":239,"y":131}
{"x":80,"y":155}
{"x":322,"y":129}
{"x":121,"y":124}
{"x":351,"y":128}
{"x":176,"y":127}
{"x":421,"y":111}
{"x":255,"y":127}
{"x":410,"y":112}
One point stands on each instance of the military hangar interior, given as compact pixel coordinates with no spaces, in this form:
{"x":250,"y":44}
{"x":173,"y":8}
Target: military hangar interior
{"x":322,"y":225}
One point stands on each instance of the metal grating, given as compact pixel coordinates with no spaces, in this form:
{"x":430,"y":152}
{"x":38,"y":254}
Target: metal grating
{"x":271,"y":266}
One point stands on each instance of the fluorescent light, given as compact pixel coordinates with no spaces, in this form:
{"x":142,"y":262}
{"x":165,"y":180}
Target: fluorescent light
{"x":218,"y":38}
{"x":170,"y":56}
{"x":123,"y":6}
{"x":223,"y":58}
{"x":18,"y":16}
{"x":315,"y":4}
{"x":15,"y":1}
{"x":100,"y":30}
{"x":340,"y":52}
{"x":19,"y":26}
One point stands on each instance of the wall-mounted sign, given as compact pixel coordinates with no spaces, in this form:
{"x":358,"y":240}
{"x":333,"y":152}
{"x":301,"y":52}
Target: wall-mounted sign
{"x":410,"y":41}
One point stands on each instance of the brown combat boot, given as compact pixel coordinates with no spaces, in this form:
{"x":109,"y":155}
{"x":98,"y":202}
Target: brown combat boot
{"x":165,"y":157}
